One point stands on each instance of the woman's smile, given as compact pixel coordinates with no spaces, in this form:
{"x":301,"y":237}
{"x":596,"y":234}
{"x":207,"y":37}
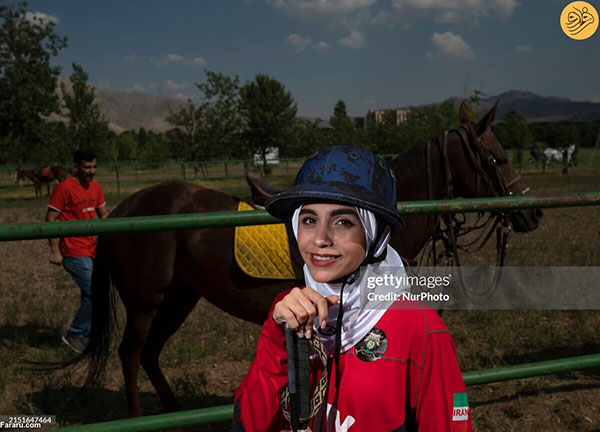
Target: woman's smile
{"x":324,"y":260}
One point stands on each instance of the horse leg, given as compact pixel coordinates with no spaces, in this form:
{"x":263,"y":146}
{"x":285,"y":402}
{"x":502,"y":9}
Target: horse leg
{"x":38,"y":188}
{"x":139,"y":320}
{"x":172,"y":312}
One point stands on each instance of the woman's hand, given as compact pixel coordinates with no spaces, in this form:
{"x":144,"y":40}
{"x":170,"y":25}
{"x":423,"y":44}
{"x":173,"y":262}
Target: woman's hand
{"x":300,"y":307}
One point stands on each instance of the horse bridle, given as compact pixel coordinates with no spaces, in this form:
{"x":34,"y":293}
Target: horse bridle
{"x":477,"y":154}
{"x":465,"y":132}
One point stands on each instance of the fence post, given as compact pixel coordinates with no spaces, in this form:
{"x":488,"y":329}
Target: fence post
{"x":226,"y":172}
{"x":136,"y":169}
{"x":183,"y":170}
{"x":117,"y":175}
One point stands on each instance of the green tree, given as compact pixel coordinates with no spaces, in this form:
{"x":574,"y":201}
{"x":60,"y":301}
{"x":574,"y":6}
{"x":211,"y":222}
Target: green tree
{"x":184,"y":137}
{"x":344,"y":132}
{"x":127,"y":146}
{"x":156,"y":149}
{"x":87,"y":127}
{"x":27,"y":81}
{"x":142,"y":142}
{"x":213,"y":127}
{"x":574,"y":137}
{"x":307,"y":137}
{"x":269,"y":114}
{"x":473,"y":101}
{"x":426,"y":122}
{"x":515,"y":134}
{"x":220,"y":122}
{"x":384,"y":137}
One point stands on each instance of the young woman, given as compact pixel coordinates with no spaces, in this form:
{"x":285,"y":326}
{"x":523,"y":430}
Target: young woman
{"x":393,"y":364}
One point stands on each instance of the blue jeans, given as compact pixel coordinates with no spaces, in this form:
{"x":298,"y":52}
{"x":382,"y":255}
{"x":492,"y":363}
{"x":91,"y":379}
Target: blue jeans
{"x":80,"y":268}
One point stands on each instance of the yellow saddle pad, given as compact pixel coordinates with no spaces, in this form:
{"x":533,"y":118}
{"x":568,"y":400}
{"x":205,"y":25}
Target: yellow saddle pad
{"x":263,"y":251}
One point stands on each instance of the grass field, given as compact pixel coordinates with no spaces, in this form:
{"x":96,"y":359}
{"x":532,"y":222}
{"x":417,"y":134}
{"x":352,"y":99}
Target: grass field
{"x":208,"y":357}
{"x":132,"y":176}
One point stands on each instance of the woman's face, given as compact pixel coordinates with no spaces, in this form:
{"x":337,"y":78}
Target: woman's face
{"x":331,"y":240}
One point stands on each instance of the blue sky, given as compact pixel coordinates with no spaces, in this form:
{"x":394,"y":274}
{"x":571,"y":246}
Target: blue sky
{"x":370,"y":53}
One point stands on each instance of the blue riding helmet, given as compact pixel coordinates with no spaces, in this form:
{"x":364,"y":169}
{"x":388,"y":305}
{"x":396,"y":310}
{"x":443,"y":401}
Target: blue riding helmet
{"x":343,"y":174}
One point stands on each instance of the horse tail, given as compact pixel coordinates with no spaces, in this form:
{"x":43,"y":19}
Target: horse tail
{"x":103,"y":319}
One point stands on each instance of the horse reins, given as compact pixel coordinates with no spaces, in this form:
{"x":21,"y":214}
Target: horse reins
{"x":477,"y":154}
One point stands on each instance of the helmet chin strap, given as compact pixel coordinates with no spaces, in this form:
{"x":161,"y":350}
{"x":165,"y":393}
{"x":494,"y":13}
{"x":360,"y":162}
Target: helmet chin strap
{"x":349,"y":279}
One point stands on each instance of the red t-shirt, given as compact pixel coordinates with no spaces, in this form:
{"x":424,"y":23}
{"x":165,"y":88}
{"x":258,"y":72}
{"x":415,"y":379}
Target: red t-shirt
{"x":74,"y":202}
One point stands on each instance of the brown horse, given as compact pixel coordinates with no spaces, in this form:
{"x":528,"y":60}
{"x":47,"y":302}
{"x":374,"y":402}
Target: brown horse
{"x":160,"y":276}
{"x":41,"y":175}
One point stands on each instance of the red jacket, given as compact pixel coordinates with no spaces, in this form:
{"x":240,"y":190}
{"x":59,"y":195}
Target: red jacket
{"x":416,"y":383}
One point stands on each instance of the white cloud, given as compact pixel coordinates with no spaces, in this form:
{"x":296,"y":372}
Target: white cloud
{"x":168,"y":59}
{"x":450,"y":45}
{"x":171,"y":86}
{"x":355,"y":40}
{"x":177,"y":58}
{"x":449,"y":17}
{"x":321,"y":47}
{"x":522,"y":48}
{"x":455,"y":10}
{"x":36,"y":17}
{"x":130,"y":58}
{"x":137,"y":88}
{"x":196,"y":61}
{"x":504,"y":8}
{"x":297,"y":42}
{"x":320,"y":9}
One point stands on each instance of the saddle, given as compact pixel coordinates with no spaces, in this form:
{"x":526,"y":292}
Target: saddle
{"x":263,"y":251}
{"x":260,"y":189}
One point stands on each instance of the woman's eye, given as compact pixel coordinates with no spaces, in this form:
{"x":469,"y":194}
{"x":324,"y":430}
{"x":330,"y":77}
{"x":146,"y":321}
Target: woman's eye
{"x":308,"y":220}
{"x":345,"y":223}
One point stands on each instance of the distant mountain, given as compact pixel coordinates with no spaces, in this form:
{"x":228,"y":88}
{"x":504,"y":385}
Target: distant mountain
{"x":538,"y":108}
{"x":131,"y":110}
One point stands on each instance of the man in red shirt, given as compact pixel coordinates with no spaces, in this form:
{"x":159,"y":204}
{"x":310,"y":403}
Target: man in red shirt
{"x":77,"y":198}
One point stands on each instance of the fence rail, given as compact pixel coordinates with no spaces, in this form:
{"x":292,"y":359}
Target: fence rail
{"x":225,"y":412}
{"x":226,"y":219}
{"x":30,"y":231}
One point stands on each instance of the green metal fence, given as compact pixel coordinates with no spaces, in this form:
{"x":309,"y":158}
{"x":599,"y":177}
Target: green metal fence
{"x":30,"y":231}
{"x":225,"y":412}
{"x":117,"y":174}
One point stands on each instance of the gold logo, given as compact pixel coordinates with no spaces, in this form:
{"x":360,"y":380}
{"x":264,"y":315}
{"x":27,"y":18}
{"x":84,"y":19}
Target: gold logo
{"x":579,"y":20}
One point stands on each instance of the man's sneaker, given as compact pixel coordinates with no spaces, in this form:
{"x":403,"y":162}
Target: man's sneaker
{"x":76,"y":343}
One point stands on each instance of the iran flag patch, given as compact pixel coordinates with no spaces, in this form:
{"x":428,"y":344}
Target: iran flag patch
{"x":460,"y":411}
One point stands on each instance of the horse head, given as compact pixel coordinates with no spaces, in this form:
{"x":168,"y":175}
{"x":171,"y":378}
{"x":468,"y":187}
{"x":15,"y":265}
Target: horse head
{"x":491,"y":173}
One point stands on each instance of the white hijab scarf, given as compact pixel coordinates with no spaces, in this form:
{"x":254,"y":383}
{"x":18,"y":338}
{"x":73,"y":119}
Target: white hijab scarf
{"x":360,"y":315}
